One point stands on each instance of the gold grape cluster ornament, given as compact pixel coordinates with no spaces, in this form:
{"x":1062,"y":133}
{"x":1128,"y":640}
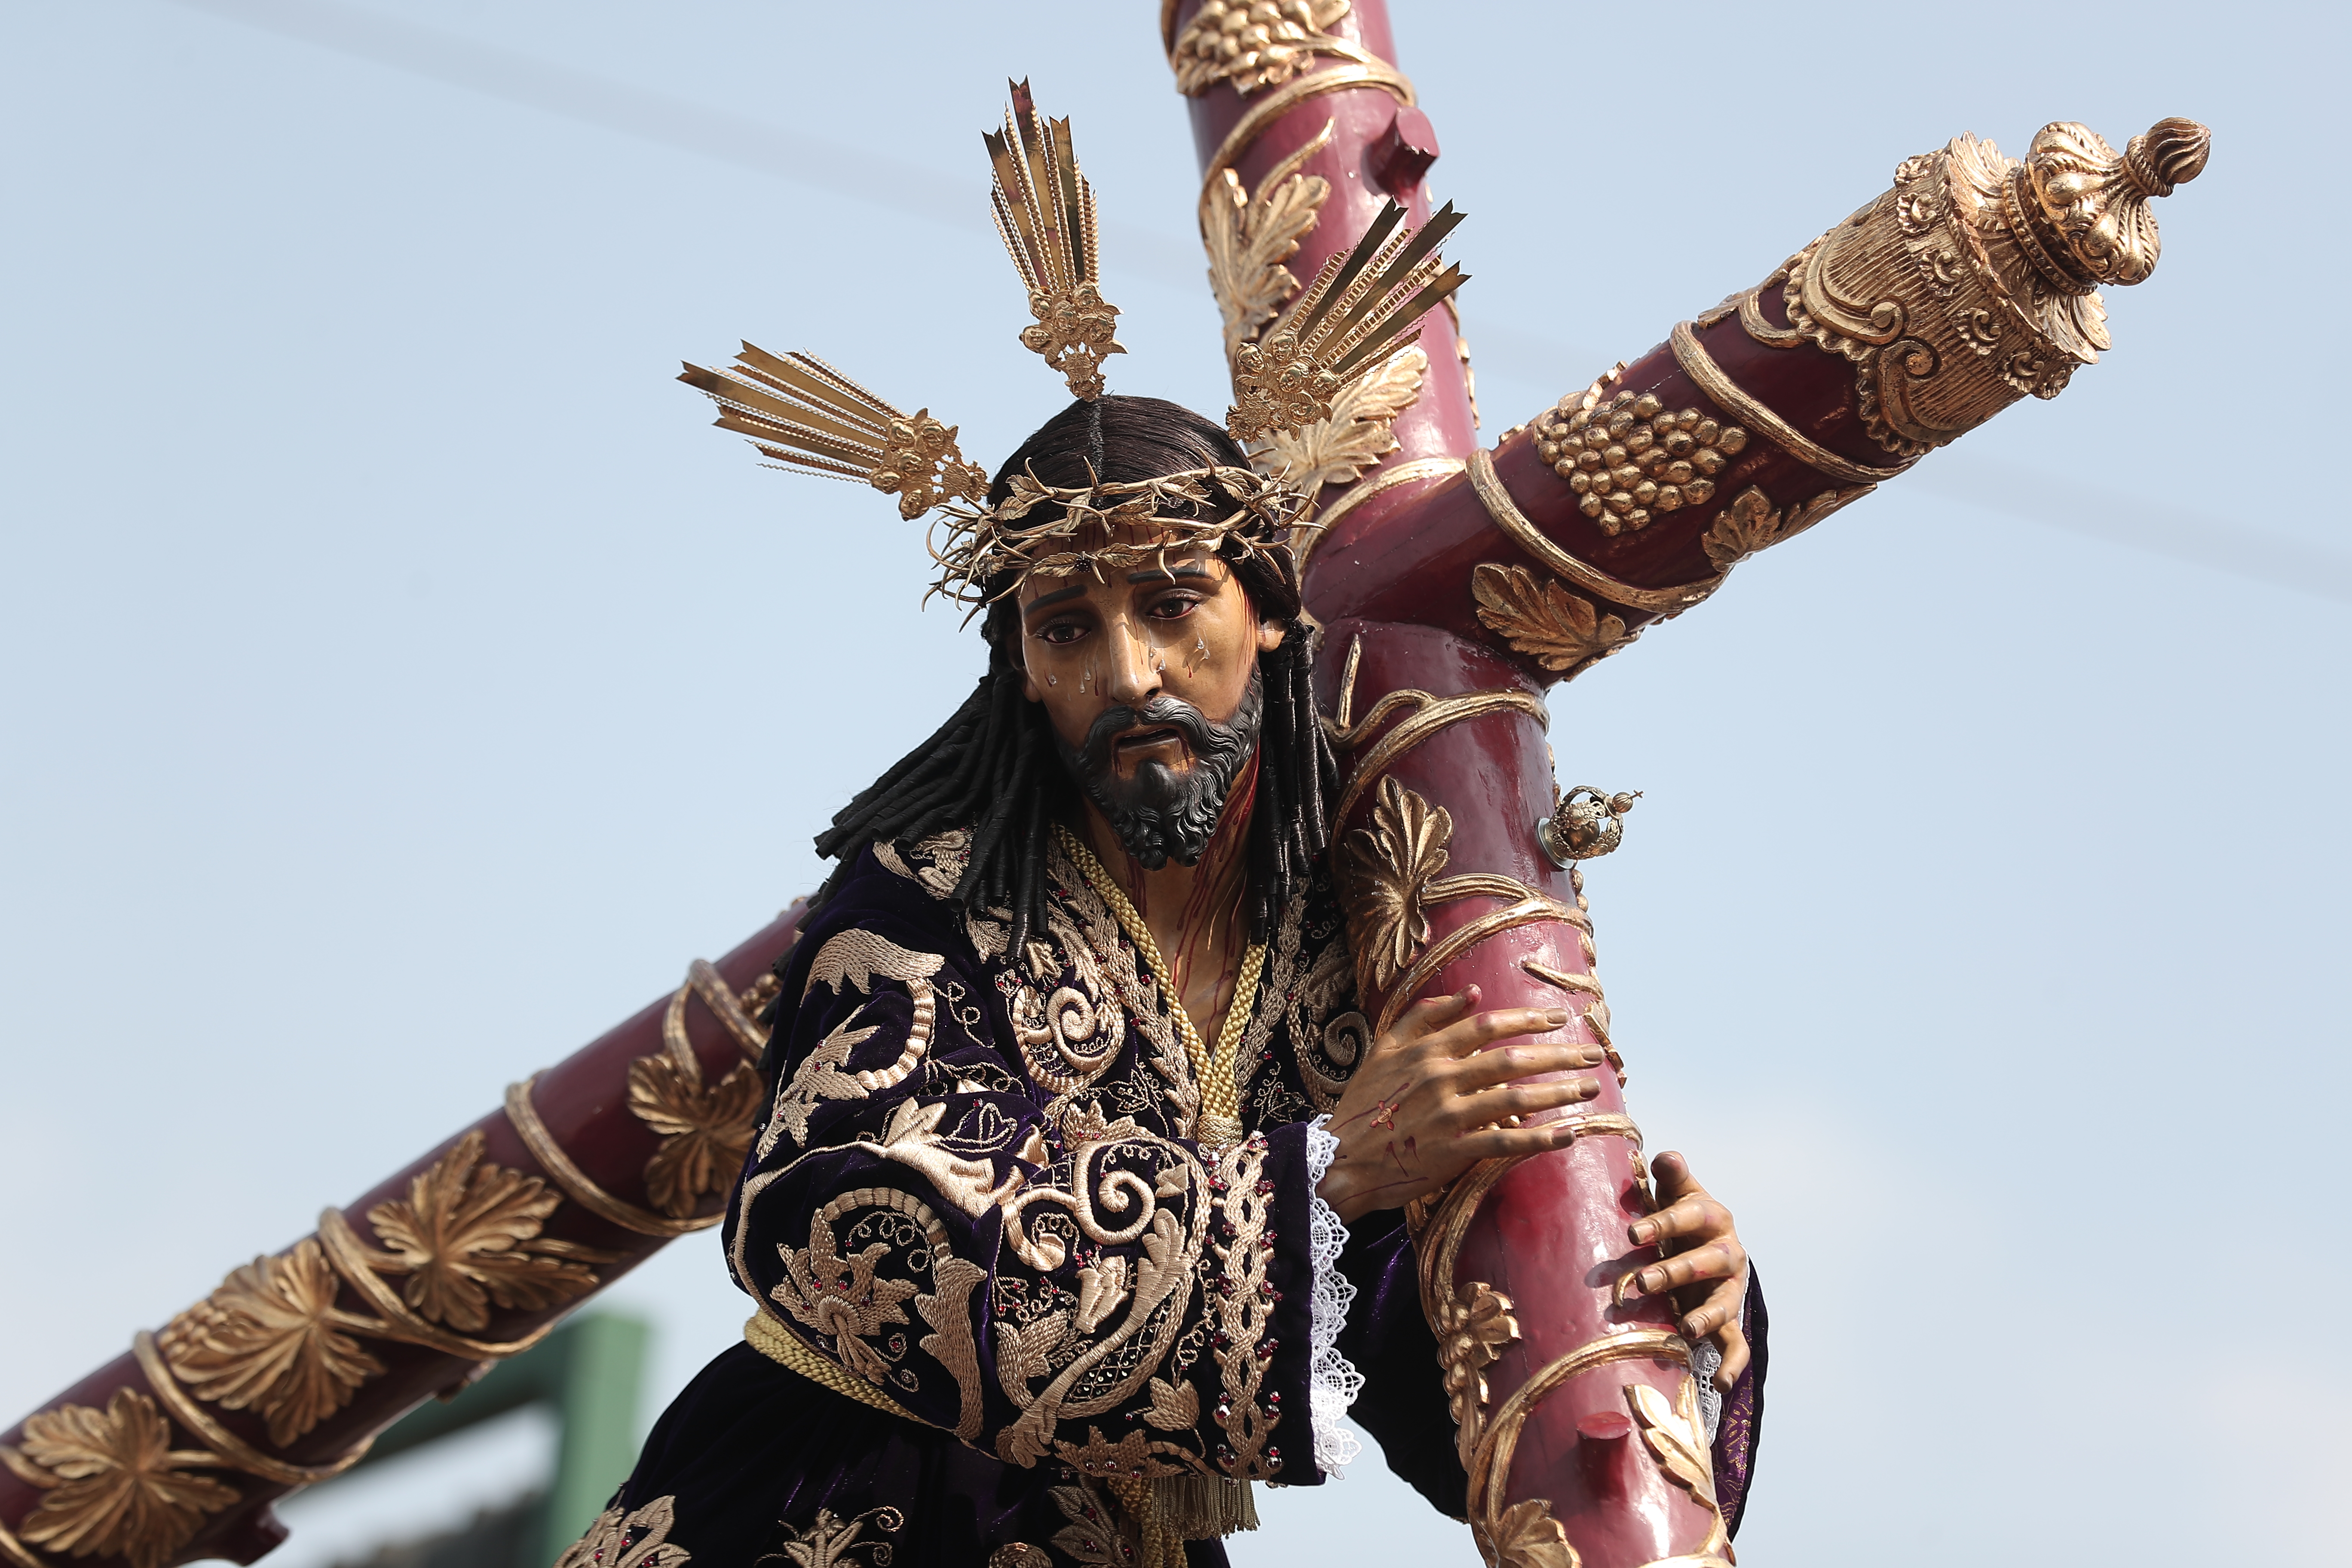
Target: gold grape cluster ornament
{"x":1629,"y":459}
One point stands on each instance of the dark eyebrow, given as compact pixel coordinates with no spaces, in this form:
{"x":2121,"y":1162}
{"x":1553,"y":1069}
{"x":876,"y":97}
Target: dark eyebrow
{"x":1056,"y":597}
{"x":1163,"y":573}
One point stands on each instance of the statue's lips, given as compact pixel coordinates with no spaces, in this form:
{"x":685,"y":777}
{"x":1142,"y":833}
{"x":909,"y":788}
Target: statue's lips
{"x":1161,"y":744}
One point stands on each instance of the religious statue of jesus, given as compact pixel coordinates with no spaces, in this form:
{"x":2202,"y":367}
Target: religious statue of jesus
{"x":1077,"y":1203}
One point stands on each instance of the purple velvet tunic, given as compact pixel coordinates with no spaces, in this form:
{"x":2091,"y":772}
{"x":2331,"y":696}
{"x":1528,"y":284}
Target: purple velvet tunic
{"x":975,"y":1193}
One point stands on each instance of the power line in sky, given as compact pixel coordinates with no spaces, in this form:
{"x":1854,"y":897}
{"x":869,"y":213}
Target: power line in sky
{"x":2256,"y":554}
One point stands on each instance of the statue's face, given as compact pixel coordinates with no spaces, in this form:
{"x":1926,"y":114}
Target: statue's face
{"x":1148,"y":676}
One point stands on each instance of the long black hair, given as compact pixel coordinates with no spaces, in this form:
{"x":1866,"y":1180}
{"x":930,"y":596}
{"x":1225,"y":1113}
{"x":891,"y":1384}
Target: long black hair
{"x":992,"y":765}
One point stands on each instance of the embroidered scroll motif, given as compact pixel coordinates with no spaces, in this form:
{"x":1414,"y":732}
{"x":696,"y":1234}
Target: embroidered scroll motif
{"x":1093,"y":946}
{"x":1158,"y":1187}
{"x":1065,"y":1012}
{"x":842,"y":1296}
{"x":859,"y":958}
{"x":946,"y":1310}
{"x":1329,"y":1032}
{"x":1092,"y":1535}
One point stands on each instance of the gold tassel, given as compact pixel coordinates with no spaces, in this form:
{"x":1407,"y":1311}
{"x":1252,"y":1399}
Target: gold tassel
{"x":1205,"y":1508}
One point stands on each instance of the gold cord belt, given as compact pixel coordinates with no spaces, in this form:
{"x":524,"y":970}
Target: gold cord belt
{"x":783,"y":1347}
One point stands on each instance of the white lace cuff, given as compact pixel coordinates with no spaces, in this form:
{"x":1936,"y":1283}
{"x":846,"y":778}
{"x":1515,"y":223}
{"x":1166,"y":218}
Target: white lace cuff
{"x":1706,"y":1359}
{"x":1333,"y":1380}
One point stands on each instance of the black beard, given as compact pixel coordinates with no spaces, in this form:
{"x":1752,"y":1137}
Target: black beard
{"x":1161,"y":815}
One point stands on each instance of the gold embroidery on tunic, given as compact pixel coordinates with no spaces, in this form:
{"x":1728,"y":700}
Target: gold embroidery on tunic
{"x":1277,"y":992}
{"x":833,"y":1542}
{"x":1092,"y":1536}
{"x":1130,"y":1208}
{"x":1243,"y":1306}
{"x":1171,"y":1249}
{"x":1327,"y":1028}
{"x":859,"y":958}
{"x":913,"y":1140}
{"x":818,"y":1078}
{"x":841,"y":1298}
{"x":638,"y":1540}
{"x":951,"y":1345}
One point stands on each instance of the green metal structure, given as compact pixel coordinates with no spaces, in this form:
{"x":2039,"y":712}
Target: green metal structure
{"x":590,"y":1374}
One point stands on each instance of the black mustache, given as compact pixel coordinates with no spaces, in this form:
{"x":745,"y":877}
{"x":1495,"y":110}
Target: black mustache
{"x":1160,"y":712}
{"x":1161,"y":814}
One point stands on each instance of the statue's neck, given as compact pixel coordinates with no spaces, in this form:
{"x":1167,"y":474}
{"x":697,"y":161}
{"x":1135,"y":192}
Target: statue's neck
{"x":1197,"y":914}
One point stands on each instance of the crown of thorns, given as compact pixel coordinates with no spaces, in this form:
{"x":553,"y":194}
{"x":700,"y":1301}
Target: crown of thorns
{"x":1363,"y":306}
{"x":999,"y":545}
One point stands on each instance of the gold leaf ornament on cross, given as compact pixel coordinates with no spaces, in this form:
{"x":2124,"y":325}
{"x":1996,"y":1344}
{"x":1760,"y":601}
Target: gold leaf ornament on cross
{"x":705,"y":1128}
{"x":1389,"y":865}
{"x":270,"y":1339}
{"x":467,"y":1236}
{"x":1557,"y":629}
{"x":1472,"y":1332}
{"x":1356,"y":432}
{"x":1676,"y":1439}
{"x":1248,"y":238}
{"x":112,"y":1483}
{"x":1526,"y":1536}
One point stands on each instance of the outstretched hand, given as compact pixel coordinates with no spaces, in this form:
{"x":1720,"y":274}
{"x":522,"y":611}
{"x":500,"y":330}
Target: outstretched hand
{"x":1430,"y":1100}
{"x":1708,"y":1270}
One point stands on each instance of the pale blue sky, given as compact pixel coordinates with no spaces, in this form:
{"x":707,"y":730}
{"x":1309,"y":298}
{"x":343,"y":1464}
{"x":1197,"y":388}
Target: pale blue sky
{"x":400,"y":681}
